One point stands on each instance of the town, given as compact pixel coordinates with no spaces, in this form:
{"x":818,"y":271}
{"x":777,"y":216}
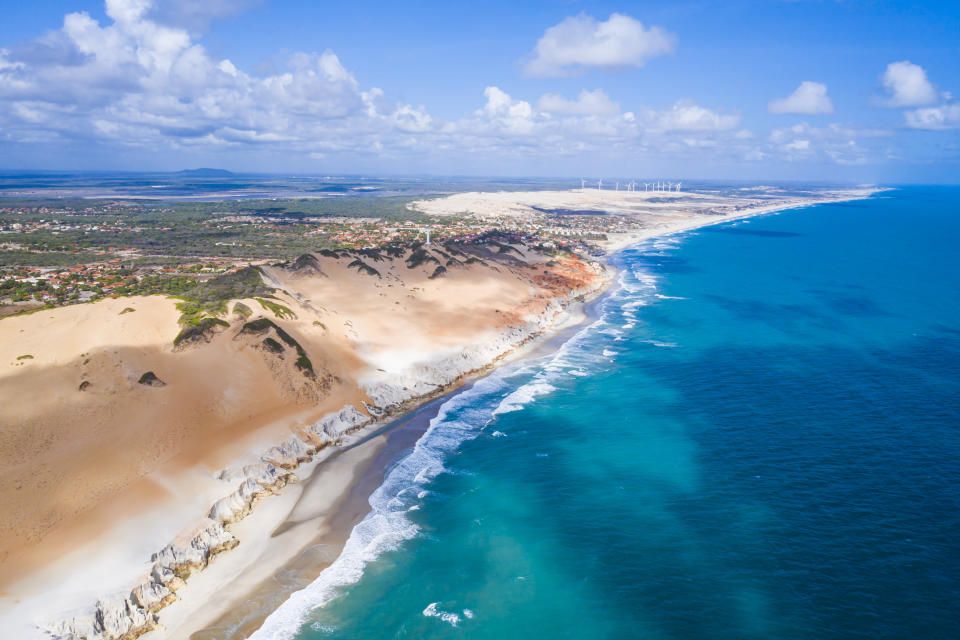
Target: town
{"x":55,"y":254}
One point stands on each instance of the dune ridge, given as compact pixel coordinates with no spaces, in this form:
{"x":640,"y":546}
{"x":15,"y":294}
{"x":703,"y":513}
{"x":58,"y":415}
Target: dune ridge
{"x":364,"y":336}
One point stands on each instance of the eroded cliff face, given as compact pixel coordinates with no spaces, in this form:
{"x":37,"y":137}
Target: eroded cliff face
{"x":360,"y":336}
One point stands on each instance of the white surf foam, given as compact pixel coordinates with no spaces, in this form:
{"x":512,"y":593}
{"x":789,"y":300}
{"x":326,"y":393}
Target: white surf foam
{"x":461,"y":418}
{"x":524,"y":395}
{"x":451,"y":618}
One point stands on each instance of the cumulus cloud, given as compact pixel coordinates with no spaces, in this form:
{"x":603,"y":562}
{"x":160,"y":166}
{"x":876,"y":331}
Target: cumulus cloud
{"x":581,"y":42}
{"x":946,"y":116}
{"x":809,"y":98}
{"x":588,"y":103}
{"x":834,"y":143}
{"x":138,"y":81}
{"x":907,"y":85}
{"x":686,"y":116}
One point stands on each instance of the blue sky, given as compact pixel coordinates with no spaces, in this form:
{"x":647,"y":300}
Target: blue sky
{"x":849,"y":91}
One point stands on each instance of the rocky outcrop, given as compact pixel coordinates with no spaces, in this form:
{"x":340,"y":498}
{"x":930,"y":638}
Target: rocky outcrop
{"x":193,"y":552}
{"x":257,"y":480}
{"x":112,"y":619}
{"x":290,"y":454}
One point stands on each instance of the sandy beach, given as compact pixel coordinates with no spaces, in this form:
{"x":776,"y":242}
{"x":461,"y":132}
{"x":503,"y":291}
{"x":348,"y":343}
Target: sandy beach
{"x":363,"y":346}
{"x":108,"y":476}
{"x":248,"y":608}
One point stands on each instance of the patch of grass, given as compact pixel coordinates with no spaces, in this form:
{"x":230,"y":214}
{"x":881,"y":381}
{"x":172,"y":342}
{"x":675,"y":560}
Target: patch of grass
{"x":303,"y":363}
{"x":278,"y":309}
{"x":200,"y":305}
{"x":84,"y":385}
{"x":25,"y":356}
{"x":363,"y":267}
{"x":317,"y":323}
{"x":307,"y":262}
{"x":245,"y":283}
{"x":127,"y":310}
{"x":273,"y":346}
{"x":150,"y":379}
{"x":201,"y":329}
{"x":265,"y":324}
{"x":258,"y":326}
{"x":439,"y":271}
{"x":242,"y":310}
{"x":419,"y":257}
{"x":193,"y":313}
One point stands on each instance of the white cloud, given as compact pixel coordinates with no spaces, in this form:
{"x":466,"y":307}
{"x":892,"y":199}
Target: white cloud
{"x":834,"y":143}
{"x":686,"y":116}
{"x":588,"y":103}
{"x":581,"y":42}
{"x":935,"y":118}
{"x":907,"y":85}
{"x":137,"y":81}
{"x":809,"y":98}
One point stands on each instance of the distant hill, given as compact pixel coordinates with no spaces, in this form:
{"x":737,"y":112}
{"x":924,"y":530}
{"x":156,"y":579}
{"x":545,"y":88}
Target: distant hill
{"x":205,"y":173}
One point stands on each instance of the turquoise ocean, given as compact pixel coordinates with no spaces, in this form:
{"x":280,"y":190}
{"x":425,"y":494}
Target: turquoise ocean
{"x":758,"y":436}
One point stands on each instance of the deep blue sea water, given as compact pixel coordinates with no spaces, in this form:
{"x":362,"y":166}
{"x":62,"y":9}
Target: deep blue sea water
{"x":759,"y":438}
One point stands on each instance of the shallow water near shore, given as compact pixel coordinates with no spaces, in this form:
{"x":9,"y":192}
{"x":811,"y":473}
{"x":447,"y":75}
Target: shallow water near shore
{"x":757,"y":438}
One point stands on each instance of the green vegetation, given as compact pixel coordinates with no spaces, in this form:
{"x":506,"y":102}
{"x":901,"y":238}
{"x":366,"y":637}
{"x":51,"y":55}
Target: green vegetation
{"x":439,"y":271}
{"x":242,"y":310}
{"x":419,"y":257}
{"x":278,"y":309}
{"x":204,"y":302}
{"x":265,"y":324}
{"x":150,"y":379}
{"x":303,"y":363}
{"x":178,"y":228}
{"x":84,"y":385}
{"x":308,"y":263}
{"x":201,"y":330}
{"x":317,"y":323}
{"x":26,"y":356}
{"x":273,"y":346}
{"x":363,"y":267}
{"x":245,"y":283}
{"x":127,"y":310}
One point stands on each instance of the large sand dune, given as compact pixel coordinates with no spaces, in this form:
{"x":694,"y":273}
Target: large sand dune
{"x":99,"y":470}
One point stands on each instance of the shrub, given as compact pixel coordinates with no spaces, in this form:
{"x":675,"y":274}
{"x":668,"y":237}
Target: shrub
{"x":278,"y":309}
{"x":363,"y":267}
{"x":150,"y":379}
{"x":242,"y":310}
{"x":304,"y":364}
{"x":127,"y":310}
{"x":273,"y":346}
{"x":201,"y":329}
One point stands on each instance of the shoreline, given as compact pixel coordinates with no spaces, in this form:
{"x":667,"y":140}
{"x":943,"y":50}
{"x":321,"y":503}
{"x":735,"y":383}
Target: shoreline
{"x":246,"y":609}
{"x":236,"y":624}
{"x":303,"y":527}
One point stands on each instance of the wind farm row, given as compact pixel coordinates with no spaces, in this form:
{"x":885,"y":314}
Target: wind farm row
{"x":655,"y":186}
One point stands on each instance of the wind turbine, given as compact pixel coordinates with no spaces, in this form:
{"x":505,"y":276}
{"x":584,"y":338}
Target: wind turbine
{"x":678,"y":186}
{"x":599,"y":184}
{"x":645,"y":185}
{"x":618,"y":187}
{"x":582,"y":183}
